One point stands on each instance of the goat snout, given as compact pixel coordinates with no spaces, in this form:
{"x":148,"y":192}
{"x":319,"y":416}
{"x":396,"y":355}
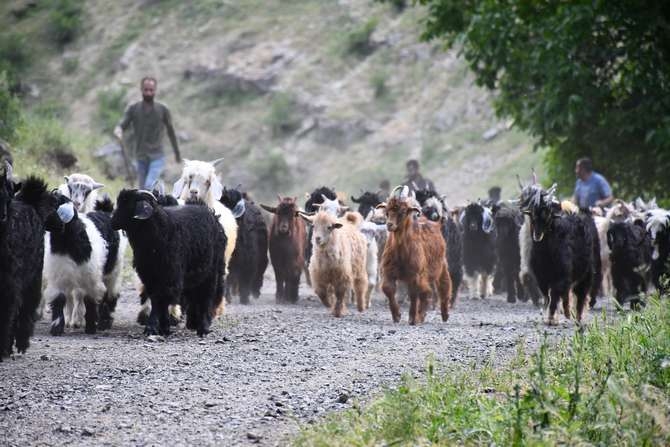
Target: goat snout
{"x":390,"y":226}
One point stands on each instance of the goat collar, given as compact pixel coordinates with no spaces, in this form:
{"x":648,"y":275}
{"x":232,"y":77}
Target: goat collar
{"x":239,"y":209}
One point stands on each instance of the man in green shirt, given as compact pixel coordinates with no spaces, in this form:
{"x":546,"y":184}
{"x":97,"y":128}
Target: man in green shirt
{"x":150,"y":119}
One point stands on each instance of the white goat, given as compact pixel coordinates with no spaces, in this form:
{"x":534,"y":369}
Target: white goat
{"x":82,"y":190}
{"x":370,"y":230}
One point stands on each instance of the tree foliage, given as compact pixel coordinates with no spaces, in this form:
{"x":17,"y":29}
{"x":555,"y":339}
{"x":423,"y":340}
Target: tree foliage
{"x":585,"y":77}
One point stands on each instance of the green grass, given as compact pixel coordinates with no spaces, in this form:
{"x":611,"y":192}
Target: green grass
{"x":605,"y":386}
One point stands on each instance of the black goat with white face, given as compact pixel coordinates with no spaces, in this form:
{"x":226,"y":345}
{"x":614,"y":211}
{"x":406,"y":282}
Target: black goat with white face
{"x":479,"y":252}
{"x":250,"y":258}
{"x":563,"y":253}
{"x":631,"y":257}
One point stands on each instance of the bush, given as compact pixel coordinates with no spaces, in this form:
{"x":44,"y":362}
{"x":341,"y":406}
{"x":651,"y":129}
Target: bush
{"x":272,"y":172}
{"x":14,"y":57}
{"x":45,"y":140}
{"x":357,"y":40}
{"x":111,"y":104}
{"x":378,"y":84}
{"x":282,"y":117}
{"x":10,"y":110}
{"x":65,"y":20}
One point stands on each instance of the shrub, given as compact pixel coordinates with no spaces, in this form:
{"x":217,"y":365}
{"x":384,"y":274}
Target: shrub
{"x":45,"y":140}
{"x":272,"y":172}
{"x":357,"y":40}
{"x":10,"y":110}
{"x":65,"y":20}
{"x":14,"y":57}
{"x":378,"y":84}
{"x":111,"y":104}
{"x":282,"y":117}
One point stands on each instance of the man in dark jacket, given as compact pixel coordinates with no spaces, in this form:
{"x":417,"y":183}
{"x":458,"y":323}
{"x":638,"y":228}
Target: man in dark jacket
{"x":150,"y":119}
{"x":415,"y":181}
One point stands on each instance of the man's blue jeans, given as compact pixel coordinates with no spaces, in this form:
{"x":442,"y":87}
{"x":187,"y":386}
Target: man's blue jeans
{"x":148,"y":171}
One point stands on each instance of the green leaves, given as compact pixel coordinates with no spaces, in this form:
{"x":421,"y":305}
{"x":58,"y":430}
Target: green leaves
{"x":586,"y":78}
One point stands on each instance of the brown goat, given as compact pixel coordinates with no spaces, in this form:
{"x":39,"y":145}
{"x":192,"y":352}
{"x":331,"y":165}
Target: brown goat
{"x":415,"y":253}
{"x":287,"y":248}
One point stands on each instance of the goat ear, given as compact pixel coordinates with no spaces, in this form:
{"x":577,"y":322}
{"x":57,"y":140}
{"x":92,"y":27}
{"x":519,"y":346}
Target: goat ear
{"x":354,"y":199}
{"x":143,"y":210}
{"x":67,"y":178}
{"x":344,"y":208}
{"x":335,"y":226}
{"x":416,"y":210}
{"x":381,"y":206}
{"x":178,"y":187}
{"x":97,"y":185}
{"x":216,"y":188}
{"x":269,"y":209}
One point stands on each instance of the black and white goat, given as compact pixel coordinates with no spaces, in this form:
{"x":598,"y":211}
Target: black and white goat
{"x":631,"y":260}
{"x":436,"y":209}
{"x":178,"y":253}
{"x":22,"y":218}
{"x":565,"y":252}
{"x":508,"y":222}
{"x":82,"y":267}
{"x":479,"y":247}
{"x":250,"y":258}
{"x":658,"y":227}
{"x":82,"y":190}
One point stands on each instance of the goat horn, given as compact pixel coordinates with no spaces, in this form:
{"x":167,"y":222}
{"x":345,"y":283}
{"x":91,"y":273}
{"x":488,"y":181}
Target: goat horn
{"x":518,"y":179}
{"x":148,"y":193}
{"x":217,"y":161}
{"x":270,"y":209}
{"x":279,"y":197}
{"x":534,"y":176}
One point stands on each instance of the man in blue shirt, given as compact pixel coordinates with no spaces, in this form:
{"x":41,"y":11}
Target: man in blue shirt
{"x":591,"y":189}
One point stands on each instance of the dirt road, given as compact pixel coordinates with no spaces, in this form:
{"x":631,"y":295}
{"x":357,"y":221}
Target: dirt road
{"x":263,"y":372}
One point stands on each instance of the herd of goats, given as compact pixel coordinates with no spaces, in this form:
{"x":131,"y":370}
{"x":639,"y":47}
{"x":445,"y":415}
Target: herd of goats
{"x":196,"y":248}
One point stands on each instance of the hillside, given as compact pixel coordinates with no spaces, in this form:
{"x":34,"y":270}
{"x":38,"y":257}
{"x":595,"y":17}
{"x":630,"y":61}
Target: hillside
{"x":294,"y":94}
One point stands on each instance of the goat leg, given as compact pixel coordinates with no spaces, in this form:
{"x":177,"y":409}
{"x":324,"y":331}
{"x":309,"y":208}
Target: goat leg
{"x":554,"y":298}
{"x":340,"y":302}
{"x":91,"y":315}
{"x":57,"y":316}
{"x":389,"y":289}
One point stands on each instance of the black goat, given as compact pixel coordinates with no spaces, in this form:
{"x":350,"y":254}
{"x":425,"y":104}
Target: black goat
{"x":630,"y":256}
{"x":177,"y":252}
{"x":508,"y":223}
{"x":22,"y":219}
{"x":366,"y":202}
{"x":250,"y":258}
{"x":434,"y":208}
{"x":479,"y":245}
{"x":563,"y":253}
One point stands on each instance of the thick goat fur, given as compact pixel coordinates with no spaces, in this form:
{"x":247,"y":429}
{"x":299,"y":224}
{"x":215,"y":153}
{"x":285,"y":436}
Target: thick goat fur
{"x":338,"y":260}
{"x":415,"y":253}
{"x":479,"y":247}
{"x":631,"y":250}
{"x":369,"y":230}
{"x":603,"y":226}
{"x":82,"y":267}
{"x":312,"y":205}
{"x":178,"y":253}
{"x":250,"y":258}
{"x":21,"y":257}
{"x":287,"y":248}
{"x":565,"y":254}
{"x":508,"y":223}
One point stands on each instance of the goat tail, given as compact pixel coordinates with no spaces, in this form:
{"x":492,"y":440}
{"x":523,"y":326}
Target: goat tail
{"x":105,"y":205}
{"x":354,"y":218}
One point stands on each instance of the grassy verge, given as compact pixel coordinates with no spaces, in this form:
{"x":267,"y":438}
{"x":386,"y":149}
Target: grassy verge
{"x":606,"y":386}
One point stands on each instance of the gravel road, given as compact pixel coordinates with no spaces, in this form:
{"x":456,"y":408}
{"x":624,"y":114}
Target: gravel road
{"x":263,"y":372}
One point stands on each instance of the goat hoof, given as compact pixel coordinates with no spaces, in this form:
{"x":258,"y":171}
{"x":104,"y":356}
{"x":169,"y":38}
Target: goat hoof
{"x":150,"y":330}
{"x":105,"y":324}
{"x":90,"y":330}
{"x":142,"y":318}
{"x":57,"y":327}
{"x":173,"y":320}
{"x":511,"y":299}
